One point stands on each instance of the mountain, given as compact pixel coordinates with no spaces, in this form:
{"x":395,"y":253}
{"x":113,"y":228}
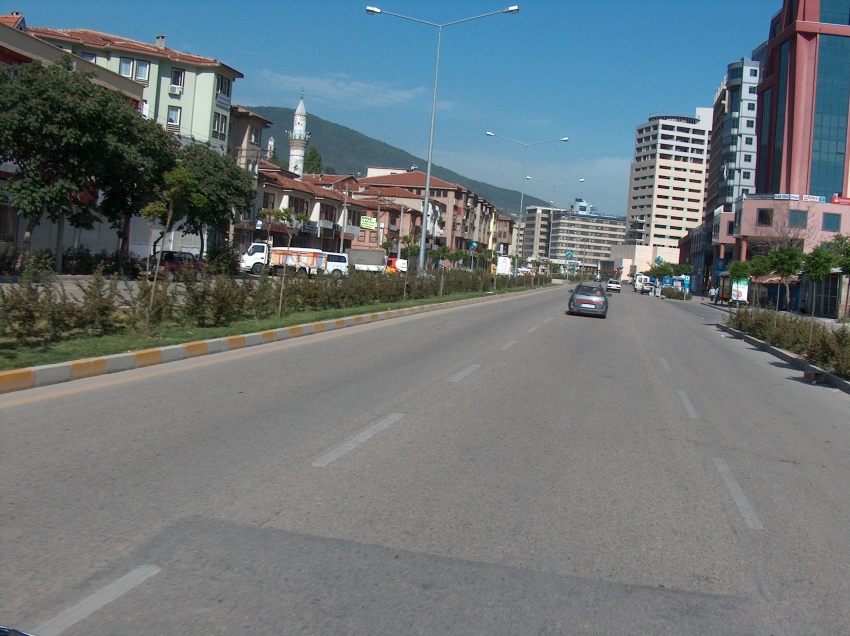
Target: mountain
{"x":349,"y":152}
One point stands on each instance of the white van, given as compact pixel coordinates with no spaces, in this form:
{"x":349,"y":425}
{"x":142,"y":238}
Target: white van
{"x":336,"y":264}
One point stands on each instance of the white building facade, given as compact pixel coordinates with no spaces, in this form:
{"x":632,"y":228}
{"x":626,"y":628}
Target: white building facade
{"x":668,"y":178}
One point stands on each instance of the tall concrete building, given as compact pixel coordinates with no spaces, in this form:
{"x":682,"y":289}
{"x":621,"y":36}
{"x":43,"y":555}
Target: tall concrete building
{"x":668,"y":178}
{"x":588,"y":236}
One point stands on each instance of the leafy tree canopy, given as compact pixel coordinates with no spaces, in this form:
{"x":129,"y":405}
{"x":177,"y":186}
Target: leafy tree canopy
{"x":739,"y":270}
{"x":312,"y":161}
{"x":818,"y":263}
{"x":786,"y":260}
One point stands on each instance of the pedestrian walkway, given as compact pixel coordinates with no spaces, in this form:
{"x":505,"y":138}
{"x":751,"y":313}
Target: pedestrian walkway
{"x":831,"y":323}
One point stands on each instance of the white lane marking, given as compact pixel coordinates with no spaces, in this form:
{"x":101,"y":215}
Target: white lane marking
{"x":460,"y":376}
{"x":548,"y":320}
{"x":653,"y":343}
{"x":356,"y":441}
{"x":507,"y":345}
{"x":666,"y":365}
{"x":691,"y":410}
{"x":90,"y":605}
{"x":532,"y":330}
{"x":738,"y":495}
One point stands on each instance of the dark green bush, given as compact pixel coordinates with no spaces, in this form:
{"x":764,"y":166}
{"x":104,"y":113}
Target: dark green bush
{"x":829,"y":350}
{"x":97,"y":314}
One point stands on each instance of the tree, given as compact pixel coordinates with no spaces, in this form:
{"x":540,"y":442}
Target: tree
{"x":785,"y":260}
{"x":759,"y":267}
{"x":292,"y":224}
{"x":841,"y":247}
{"x":682,"y":269}
{"x":659,"y":271}
{"x":441,"y":254}
{"x":179,"y":197}
{"x":137,"y":154}
{"x":409,"y":251}
{"x":312,"y":161}
{"x":817,"y":265}
{"x":52,"y":129}
{"x":227,"y":189}
{"x":738,"y":270}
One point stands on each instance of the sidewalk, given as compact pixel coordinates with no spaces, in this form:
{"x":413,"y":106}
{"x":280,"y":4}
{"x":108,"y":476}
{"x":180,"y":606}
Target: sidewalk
{"x":831,"y":323}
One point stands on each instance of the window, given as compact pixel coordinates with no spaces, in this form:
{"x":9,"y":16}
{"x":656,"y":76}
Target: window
{"x":89,"y":57}
{"x":798,"y":218}
{"x":748,"y":158}
{"x":222,"y":85}
{"x":753,"y":90}
{"x":177,"y":75}
{"x":142,"y":69}
{"x":268,"y":200}
{"x":754,"y":72}
{"x":174,"y":116}
{"x":751,"y":123}
{"x":746,"y":174}
{"x":831,"y":222}
{"x":748,"y":141}
{"x":219,"y":126}
{"x":730,"y":227}
{"x":764,"y":218}
{"x":255,"y":135}
{"x":751,"y":106}
{"x":125,"y":67}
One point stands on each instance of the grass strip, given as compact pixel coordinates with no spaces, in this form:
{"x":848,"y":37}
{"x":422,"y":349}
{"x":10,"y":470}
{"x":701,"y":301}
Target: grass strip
{"x":15,"y":355}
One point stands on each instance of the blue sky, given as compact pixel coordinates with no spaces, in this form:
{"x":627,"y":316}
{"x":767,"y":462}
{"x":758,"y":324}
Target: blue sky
{"x":589,"y":70}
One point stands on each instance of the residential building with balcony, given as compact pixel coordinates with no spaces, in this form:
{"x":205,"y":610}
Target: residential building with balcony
{"x":188,"y":94}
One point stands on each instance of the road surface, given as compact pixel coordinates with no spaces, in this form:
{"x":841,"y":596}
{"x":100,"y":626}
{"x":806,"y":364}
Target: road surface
{"x":500,"y":468}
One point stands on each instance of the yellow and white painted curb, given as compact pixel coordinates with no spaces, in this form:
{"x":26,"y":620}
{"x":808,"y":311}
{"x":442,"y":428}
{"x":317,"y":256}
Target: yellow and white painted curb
{"x":21,"y":379}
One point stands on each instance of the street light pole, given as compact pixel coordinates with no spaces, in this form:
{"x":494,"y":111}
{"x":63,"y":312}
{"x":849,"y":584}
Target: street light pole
{"x":524,"y":166}
{"x":514,"y":9}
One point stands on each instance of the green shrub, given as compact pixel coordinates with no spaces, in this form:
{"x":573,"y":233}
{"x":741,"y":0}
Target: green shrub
{"x":222,"y":259}
{"x":8,"y":257}
{"x":674,"y":294}
{"x":98,"y":309}
{"x":829,"y":350}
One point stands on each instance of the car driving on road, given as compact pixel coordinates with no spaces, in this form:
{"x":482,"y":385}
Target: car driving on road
{"x":613,"y":286}
{"x":589,"y":299}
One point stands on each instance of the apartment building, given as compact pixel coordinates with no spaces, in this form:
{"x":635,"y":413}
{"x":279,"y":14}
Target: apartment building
{"x":552,"y":233}
{"x":188,"y":94}
{"x":668,"y":177}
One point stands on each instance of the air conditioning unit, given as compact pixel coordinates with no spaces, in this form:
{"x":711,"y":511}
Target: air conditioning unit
{"x":175,"y":90}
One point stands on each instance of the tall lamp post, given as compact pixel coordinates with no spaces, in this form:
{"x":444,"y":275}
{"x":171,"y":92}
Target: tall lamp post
{"x":552,"y":216}
{"x":425,"y":204}
{"x":524,"y":166}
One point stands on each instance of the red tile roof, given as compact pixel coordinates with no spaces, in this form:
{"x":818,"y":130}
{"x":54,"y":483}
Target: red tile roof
{"x":327,"y":179}
{"x":394,"y":192}
{"x":413,"y":179}
{"x":15,"y":20}
{"x":244,"y":111}
{"x":98,"y":40}
{"x":278,"y":179}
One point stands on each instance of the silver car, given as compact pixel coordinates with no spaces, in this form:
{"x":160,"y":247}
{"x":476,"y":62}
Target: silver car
{"x":589,"y":299}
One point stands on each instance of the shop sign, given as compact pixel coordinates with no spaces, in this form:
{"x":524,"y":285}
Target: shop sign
{"x":368,"y":223}
{"x":841,"y":200}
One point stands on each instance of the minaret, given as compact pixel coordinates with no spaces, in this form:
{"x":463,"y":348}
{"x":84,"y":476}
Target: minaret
{"x":270,"y":149}
{"x":298,"y":138}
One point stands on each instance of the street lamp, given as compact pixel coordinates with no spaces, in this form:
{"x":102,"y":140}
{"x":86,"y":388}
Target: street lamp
{"x":514,"y":9}
{"x":524,"y":165}
{"x":552,"y":202}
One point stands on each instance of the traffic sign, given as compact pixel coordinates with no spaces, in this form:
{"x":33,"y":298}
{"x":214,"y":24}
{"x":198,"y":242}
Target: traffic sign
{"x":659,"y":260}
{"x":569,"y":254}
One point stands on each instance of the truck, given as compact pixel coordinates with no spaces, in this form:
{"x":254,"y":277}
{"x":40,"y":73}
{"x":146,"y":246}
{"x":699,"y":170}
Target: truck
{"x":301,"y":261}
{"x":366,"y":260}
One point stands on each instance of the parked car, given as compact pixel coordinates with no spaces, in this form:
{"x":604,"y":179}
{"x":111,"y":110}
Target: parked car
{"x":648,"y":288}
{"x":173,"y":265}
{"x":336,"y":264}
{"x":396,"y":265}
{"x":589,"y":299}
{"x":613,"y":285}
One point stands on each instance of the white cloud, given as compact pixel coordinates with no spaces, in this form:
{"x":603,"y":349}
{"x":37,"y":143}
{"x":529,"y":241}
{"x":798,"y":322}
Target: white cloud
{"x":338,"y":89}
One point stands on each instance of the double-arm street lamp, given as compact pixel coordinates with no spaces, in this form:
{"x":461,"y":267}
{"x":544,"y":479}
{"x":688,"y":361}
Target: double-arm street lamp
{"x":554,"y":185}
{"x":425,"y":204}
{"x":524,"y":166}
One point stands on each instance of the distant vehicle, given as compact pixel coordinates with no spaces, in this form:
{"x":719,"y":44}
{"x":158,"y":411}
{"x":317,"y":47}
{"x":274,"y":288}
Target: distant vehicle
{"x":589,"y":299}
{"x":174,"y":265}
{"x":613,"y":285}
{"x":524,"y":271}
{"x":396,"y":265}
{"x":639,"y":282}
{"x":366,"y":260}
{"x":301,"y":261}
{"x":336,"y":264}
{"x":648,"y":287}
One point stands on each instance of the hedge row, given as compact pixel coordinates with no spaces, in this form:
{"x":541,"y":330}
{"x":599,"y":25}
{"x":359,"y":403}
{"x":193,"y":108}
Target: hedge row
{"x":829,"y":350}
{"x":39,"y":310}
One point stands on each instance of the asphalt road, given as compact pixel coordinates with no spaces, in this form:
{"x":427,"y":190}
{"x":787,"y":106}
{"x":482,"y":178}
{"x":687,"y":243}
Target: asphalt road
{"x":500,"y":468}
